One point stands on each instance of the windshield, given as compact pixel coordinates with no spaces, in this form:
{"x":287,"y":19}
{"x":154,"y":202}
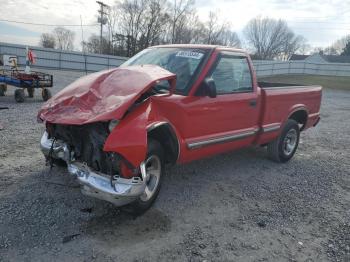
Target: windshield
{"x":181,"y":61}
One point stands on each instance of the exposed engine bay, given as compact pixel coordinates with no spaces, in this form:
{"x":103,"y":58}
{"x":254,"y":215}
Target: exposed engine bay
{"x":86,"y":141}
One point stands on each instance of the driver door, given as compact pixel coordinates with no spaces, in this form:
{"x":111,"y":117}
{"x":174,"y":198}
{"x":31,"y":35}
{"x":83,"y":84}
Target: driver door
{"x":228,"y":121}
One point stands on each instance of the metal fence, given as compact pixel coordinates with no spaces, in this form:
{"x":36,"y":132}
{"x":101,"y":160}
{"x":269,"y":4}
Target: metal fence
{"x":67,"y":60}
{"x":62,"y":60}
{"x":268,"y":68}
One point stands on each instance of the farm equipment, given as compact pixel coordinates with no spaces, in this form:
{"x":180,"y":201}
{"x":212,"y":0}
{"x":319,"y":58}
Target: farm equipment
{"x":24,"y":79}
{"x":29,"y":81}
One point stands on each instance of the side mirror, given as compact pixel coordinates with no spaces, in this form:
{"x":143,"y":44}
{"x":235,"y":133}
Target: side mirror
{"x":208,"y":87}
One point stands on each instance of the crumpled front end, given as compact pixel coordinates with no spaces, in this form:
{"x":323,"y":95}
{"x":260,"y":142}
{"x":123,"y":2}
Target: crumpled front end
{"x":102,"y":96}
{"x":98,"y":172}
{"x":107,"y":163}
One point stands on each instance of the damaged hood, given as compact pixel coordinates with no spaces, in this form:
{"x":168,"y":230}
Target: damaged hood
{"x":102,"y":96}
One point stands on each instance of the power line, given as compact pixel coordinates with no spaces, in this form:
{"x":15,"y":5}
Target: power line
{"x":39,"y":24}
{"x":320,"y":28}
{"x":316,"y":22}
{"x":101,"y":20}
{"x":325,"y":17}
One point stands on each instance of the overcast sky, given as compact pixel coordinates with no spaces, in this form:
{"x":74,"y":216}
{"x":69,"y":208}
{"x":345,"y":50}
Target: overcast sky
{"x":321,"y":22}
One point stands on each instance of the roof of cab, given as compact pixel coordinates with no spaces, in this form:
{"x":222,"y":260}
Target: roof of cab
{"x":201,"y":46}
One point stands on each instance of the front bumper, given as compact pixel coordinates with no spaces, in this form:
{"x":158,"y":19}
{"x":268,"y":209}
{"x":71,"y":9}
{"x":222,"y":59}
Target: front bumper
{"x":119,"y":191}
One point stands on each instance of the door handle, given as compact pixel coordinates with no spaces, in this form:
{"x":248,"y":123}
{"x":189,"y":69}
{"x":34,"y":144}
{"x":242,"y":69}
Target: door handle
{"x":252,"y":103}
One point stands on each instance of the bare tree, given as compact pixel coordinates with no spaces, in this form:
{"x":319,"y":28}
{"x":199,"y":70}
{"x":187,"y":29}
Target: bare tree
{"x":317,"y":50}
{"x":219,"y":33}
{"x":335,"y":49}
{"x":292,"y":45}
{"x":132,"y":13}
{"x":93,"y":45}
{"x":346,"y":50}
{"x":112,"y":16}
{"x":229,"y":38}
{"x":331,"y":50}
{"x":271,"y":38}
{"x":338,"y":46}
{"x":212,"y":25}
{"x":179,"y":9}
{"x":134,"y":25}
{"x":64,"y":38}
{"x":304,"y":49}
{"x":188,"y":30}
{"x":214,"y":28}
{"x":137,"y":24}
{"x":191,"y":30}
{"x":47,"y":40}
{"x":154,"y":23}
{"x":342,"y":43}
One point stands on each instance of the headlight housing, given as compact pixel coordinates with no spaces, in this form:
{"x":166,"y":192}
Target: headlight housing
{"x":112,"y":124}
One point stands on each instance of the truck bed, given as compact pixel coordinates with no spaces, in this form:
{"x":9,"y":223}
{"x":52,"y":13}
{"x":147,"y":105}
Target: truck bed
{"x":279,"y":101}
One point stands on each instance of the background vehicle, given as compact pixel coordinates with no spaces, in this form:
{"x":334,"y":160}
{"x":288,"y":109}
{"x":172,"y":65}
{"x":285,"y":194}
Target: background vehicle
{"x":117,"y":129}
{"x":22,"y":80}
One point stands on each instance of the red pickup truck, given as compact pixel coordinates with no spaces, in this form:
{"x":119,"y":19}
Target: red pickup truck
{"x":117,"y":129}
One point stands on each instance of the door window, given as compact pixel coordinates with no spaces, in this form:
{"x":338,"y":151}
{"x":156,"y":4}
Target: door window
{"x":232,"y":75}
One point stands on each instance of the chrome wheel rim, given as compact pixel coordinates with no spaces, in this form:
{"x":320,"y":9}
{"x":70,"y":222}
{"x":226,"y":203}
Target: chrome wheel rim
{"x":153,"y":168}
{"x":290,"y":142}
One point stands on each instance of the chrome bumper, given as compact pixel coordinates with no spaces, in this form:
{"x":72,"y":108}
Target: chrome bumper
{"x":119,"y":191}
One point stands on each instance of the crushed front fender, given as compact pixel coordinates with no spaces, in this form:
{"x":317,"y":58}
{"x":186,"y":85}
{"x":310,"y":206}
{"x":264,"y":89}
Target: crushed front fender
{"x":129,"y":138}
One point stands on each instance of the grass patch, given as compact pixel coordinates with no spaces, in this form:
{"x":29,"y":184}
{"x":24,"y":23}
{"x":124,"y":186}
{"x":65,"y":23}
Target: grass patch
{"x":338,"y":82}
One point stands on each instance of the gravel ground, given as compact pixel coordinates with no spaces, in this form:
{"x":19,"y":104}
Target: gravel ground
{"x":237,"y":206}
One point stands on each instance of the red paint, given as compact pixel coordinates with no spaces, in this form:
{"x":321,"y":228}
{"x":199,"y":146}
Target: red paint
{"x":102,"y":96}
{"x":109,"y":94}
{"x":129,"y":138}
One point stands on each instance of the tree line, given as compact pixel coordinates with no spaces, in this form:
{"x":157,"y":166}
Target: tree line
{"x":133,"y":25}
{"x":339,"y":47}
{"x":60,"y":38}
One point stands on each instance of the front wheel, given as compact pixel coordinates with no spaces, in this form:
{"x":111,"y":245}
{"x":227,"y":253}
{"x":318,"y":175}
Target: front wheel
{"x":19,"y":95}
{"x":46,"y":94}
{"x":30,"y":91}
{"x":3,"y":89}
{"x":283,"y":148}
{"x":154,"y":165}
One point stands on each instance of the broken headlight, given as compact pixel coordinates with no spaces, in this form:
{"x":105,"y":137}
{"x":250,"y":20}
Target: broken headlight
{"x":112,"y":124}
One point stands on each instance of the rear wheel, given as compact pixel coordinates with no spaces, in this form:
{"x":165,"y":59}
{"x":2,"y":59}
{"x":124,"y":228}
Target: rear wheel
{"x":19,"y":95}
{"x":3,"y":89}
{"x":46,"y":94}
{"x":30,"y":91}
{"x":154,"y":164}
{"x":283,"y":148}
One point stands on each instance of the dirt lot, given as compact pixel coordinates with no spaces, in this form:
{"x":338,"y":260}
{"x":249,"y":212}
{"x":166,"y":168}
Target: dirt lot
{"x":234,"y":207}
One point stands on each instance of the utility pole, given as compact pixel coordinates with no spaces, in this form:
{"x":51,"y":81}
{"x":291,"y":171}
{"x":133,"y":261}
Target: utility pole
{"x":101,"y":20}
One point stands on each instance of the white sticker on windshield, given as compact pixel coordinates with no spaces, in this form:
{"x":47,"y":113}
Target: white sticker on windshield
{"x":190,"y":54}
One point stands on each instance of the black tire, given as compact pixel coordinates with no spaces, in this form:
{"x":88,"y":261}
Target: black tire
{"x":140,"y":206}
{"x":280,"y":150}
{"x":59,"y":162}
{"x":19,"y":95}
{"x":46,"y":94}
{"x":3,"y":89}
{"x":30,"y":91}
